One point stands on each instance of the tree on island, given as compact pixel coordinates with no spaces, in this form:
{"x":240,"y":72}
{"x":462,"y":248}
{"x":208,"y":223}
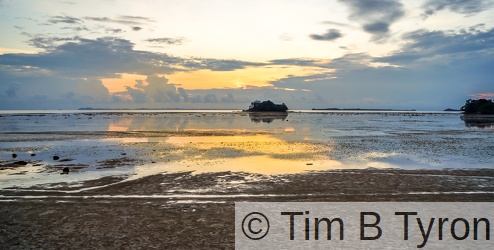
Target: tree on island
{"x":267,"y":106}
{"x":480,"y":106}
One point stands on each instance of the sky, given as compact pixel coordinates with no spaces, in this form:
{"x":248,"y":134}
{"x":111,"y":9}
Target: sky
{"x":224,"y":54}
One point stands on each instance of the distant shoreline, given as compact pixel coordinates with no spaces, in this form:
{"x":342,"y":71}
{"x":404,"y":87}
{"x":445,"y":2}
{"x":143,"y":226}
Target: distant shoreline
{"x":361,"y":109}
{"x":150,"y":109}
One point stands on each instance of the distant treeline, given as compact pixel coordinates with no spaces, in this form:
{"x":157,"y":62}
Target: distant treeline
{"x":480,"y":106}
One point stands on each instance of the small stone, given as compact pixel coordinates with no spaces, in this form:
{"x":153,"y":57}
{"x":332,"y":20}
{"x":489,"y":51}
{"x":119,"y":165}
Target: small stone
{"x":55,"y":157}
{"x":14,"y":156}
{"x":33,"y":154}
{"x":123,"y":154}
{"x":309,"y":164}
{"x":23,"y":163}
{"x":65,"y":170}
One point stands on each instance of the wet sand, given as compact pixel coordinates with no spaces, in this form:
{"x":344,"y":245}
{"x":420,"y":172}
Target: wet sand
{"x":185,"y":211}
{"x":146,"y":188}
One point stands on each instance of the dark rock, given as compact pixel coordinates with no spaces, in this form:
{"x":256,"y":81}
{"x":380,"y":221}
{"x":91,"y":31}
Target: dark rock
{"x":123,"y":153}
{"x":65,"y":170}
{"x":55,"y":158}
{"x":14,"y":156}
{"x":23,"y":163}
{"x":33,"y":154}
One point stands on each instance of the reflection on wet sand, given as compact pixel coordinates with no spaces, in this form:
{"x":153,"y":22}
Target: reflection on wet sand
{"x":232,"y":141}
{"x":267,"y":117}
{"x":479,"y":121}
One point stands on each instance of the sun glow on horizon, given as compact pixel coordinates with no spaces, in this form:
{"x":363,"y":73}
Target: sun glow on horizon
{"x":240,"y":78}
{"x":207,"y":79}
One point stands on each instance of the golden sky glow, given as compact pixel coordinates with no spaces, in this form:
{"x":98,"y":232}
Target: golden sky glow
{"x":252,"y":76}
{"x":207,"y":79}
{"x":118,"y":84}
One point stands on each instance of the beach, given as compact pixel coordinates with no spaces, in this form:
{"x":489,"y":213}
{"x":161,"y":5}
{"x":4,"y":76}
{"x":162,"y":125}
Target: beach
{"x":156,"y":179}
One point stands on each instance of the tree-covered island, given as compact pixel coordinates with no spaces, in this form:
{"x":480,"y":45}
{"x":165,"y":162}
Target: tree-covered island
{"x":480,"y":106}
{"x":266,"y":106}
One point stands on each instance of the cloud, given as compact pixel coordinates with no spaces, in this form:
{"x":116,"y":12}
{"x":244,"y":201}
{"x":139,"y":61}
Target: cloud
{"x":467,"y":7}
{"x":375,"y":16}
{"x":302,"y":62}
{"x":377,"y":27}
{"x":444,"y":74}
{"x":218,"y":64}
{"x":114,"y":31}
{"x":158,"y":89}
{"x":137,"y":95}
{"x":330,"y":35}
{"x":64,"y":19}
{"x":211,"y":98}
{"x":338,"y":24}
{"x":228,"y":98}
{"x":102,"y":57}
{"x":45,"y":42}
{"x":488,"y":95}
{"x":123,"y":20}
{"x":108,"y":57}
{"x":75,"y":28}
{"x":45,"y":91}
{"x":424,"y":45}
{"x":136,"y":18}
{"x":166,"y":40}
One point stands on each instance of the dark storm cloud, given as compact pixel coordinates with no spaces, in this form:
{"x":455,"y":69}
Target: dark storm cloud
{"x":166,"y":40}
{"x":330,"y":35}
{"x":427,"y":45}
{"x":467,"y":7}
{"x":375,"y":16}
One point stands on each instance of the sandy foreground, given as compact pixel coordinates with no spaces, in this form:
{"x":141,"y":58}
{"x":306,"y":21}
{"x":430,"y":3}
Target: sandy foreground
{"x":145,"y":214}
{"x":176,"y":189}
